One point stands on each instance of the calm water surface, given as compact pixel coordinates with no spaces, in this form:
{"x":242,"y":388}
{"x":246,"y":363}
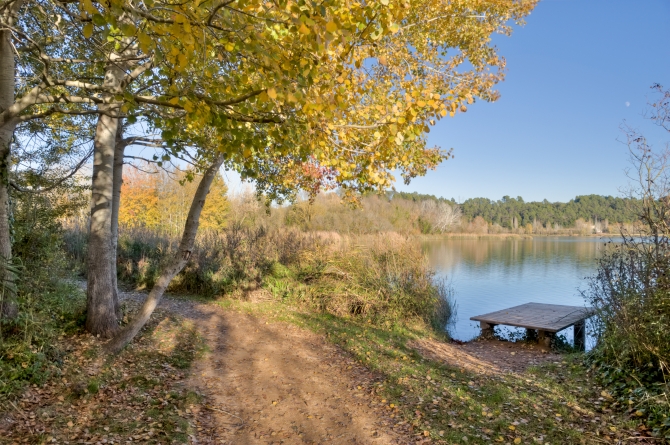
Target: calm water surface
{"x":489,"y":274}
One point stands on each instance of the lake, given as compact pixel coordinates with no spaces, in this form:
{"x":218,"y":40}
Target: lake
{"x":489,"y":273}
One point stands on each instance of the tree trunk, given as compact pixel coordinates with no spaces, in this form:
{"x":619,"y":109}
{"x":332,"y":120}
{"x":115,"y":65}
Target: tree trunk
{"x":8,"y":307}
{"x":101,"y":298}
{"x":119,"y":150}
{"x":175,"y":265}
{"x":101,"y":294}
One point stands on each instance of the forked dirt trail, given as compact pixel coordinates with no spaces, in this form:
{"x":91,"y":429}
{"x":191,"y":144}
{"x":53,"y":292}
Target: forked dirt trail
{"x":278,"y":384}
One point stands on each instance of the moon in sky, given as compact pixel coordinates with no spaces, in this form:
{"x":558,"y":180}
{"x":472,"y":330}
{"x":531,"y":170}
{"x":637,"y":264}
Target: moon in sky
{"x":627,"y":104}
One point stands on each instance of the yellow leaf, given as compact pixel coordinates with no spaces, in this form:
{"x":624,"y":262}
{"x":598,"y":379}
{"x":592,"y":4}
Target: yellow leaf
{"x":174,"y":101}
{"x":612,"y":428}
{"x":512,"y":427}
{"x":384,"y":2}
{"x":145,"y":41}
{"x":181,"y":62}
{"x":88,"y":30}
{"x":272,"y":93}
{"x":303,"y":29}
{"x":331,"y":27}
{"x":229,"y":46}
{"x":88,"y":7}
{"x":394,"y":28}
{"x":517,"y":440}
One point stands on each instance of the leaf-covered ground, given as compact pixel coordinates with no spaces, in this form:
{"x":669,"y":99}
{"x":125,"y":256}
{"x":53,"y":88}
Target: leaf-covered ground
{"x":137,"y":397}
{"x":264,"y":373}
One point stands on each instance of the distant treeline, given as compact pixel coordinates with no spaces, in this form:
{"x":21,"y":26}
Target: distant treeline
{"x":511,"y":213}
{"x":417,"y":213}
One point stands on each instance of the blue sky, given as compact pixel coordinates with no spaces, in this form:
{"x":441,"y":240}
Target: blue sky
{"x":575,"y":72}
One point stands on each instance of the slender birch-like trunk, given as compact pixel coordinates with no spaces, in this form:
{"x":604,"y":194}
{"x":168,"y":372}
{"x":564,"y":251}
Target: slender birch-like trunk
{"x":101,"y":294}
{"x":174,"y":266}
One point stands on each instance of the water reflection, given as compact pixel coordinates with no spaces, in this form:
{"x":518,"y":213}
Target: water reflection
{"x":490,"y":274}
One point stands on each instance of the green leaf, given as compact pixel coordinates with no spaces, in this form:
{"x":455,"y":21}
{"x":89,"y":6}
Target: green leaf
{"x":99,"y":20}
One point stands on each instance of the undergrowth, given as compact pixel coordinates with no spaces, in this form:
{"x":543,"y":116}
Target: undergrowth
{"x":631,"y":294}
{"x":49,"y":303}
{"x":380,"y":278}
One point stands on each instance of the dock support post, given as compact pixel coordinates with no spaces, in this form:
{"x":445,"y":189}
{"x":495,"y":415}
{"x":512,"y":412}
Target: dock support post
{"x":579,"y":335}
{"x":531,"y":335}
{"x":487,"y":329}
{"x":544,"y":338}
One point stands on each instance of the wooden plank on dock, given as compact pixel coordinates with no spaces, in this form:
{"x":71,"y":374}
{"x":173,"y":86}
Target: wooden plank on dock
{"x":540,"y":316}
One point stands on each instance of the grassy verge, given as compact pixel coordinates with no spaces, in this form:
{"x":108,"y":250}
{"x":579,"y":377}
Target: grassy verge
{"x":556,"y":403}
{"x":137,"y":396}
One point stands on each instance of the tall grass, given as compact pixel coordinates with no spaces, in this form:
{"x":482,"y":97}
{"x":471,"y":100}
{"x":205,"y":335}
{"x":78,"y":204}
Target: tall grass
{"x":382,"y":278}
{"x":221,"y":262}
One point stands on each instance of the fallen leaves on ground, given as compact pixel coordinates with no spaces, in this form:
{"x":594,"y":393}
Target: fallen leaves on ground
{"x":137,"y":396}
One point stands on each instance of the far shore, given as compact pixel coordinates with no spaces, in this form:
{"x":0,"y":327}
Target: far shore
{"x":515,"y":235}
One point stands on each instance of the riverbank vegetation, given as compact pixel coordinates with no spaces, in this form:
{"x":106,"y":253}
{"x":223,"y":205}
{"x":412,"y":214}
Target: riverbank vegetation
{"x":631,"y":291}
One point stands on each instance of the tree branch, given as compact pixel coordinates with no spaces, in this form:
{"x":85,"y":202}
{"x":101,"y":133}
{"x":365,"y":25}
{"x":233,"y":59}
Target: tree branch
{"x":57,"y":183}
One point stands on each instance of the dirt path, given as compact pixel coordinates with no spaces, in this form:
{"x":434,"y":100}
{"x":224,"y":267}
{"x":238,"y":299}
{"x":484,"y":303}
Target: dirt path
{"x":277,"y":384}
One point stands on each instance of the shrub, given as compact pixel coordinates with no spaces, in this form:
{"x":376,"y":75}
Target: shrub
{"x":49,"y":302}
{"x":631,"y":289}
{"x":382,"y":278}
{"x":631,"y":295}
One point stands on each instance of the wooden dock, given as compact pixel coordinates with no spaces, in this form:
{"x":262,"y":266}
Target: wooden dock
{"x":546,"y":319}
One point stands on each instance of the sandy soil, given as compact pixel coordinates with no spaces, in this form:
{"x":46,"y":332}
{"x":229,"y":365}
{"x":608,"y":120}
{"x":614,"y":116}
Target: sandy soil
{"x":277,"y":384}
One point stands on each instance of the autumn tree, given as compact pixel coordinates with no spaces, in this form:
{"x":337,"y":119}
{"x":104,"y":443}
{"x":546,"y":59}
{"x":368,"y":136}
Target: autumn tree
{"x":139,"y":206}
{"x":299,"y":95}
{"x":159,"y":199}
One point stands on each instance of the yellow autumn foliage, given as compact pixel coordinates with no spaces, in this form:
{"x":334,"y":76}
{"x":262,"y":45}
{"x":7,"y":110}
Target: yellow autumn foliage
{"x":160,"y":200}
